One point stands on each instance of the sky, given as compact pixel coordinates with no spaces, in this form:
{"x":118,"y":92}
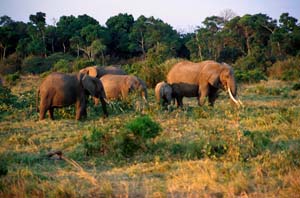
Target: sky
{"x":183,"y":15}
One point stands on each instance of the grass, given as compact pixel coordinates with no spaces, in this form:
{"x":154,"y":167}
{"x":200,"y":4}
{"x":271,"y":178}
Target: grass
{"x":200,"y":151}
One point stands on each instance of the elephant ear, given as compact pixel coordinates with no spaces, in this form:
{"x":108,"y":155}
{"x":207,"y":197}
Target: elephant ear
{"x":93,"y":72}
{"x":214,"y":78}
{"x":89,"y":84}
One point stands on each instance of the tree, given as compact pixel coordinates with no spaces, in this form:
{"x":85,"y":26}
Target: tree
{"x":38,"y":32}
{"x":119,"y":28}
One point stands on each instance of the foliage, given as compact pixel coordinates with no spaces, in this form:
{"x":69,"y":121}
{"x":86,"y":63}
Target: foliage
{"x":296,"y":86}
{"x":12,"y":79}
{"x":81,"y":63}
{"x":11,"y":64}
{"x":250,"y":76}
{"x":286,"y":70}
{"x":136,"y":133}
{"x":3,"y":167}
{"x":62,"y":66}
{"x":96,"y":143}
{"x":149,"y":71}
{"x":34,"y":65}
{"x":7,"y":99}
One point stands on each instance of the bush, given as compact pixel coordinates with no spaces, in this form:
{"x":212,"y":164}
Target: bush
{"x":143,"y":127}
{"x":249,"y":76}
{"x":3,"y":168}
{"x":81,"y":63}
{"x":34,"y":65}
{"x":150,"y":72}
{"x":136,"y":133}
{"x":7,"y":99}
{"x":97,"y":142}
{"x":62,"y":66}
{"x":296,"y":86}
{"x":10,"y":65}
{"x":11,"y":79}
{"x":288,"y":69}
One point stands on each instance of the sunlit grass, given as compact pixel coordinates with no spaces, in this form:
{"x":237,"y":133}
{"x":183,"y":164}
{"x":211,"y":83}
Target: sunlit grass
{"x":201,"y":151}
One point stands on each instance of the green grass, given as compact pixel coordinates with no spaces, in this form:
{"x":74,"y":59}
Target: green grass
{"x":199,"y":152}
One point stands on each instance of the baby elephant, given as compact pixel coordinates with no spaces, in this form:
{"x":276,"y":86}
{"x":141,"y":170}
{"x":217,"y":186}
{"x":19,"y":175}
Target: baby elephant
{"x":60,"y":90}
{"x":163,"y":93}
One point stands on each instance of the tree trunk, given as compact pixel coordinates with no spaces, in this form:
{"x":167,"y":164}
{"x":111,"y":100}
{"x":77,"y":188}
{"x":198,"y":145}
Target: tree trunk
{"x":199,"y":47}
{"x":64,"y":47}
{"x":4,"y":53}
{"x":52,"y":45}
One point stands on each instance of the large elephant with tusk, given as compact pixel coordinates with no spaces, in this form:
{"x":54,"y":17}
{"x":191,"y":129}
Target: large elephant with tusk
{"x":202,"y":80}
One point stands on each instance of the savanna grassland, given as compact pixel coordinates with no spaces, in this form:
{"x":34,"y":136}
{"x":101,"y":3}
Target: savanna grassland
{"x":198,"y":152}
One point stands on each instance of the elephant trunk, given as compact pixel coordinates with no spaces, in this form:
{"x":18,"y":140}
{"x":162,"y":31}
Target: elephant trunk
{"x":145,"y":95}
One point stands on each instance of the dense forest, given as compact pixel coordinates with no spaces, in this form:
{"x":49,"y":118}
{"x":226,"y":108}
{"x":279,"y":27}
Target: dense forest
{"x":256,"y":45}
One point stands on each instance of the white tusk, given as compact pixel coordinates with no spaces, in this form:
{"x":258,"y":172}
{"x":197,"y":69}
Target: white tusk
{"x":240,"y":102}
{"x":232,"y":98}
{"x":107,"y":101}
{"x":145,"y":99}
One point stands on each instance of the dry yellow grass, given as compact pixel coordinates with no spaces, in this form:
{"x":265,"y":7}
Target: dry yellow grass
{"x":267,"y":167}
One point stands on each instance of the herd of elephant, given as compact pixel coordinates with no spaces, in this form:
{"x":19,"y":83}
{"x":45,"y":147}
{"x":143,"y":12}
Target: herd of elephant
{"x":185,"y":79}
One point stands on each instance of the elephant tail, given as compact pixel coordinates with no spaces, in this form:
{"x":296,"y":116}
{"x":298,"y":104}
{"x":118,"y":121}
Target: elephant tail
{"x":37,"y":99}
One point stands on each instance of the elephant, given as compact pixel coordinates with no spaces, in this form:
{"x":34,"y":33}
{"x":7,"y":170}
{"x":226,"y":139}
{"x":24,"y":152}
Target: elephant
{"x":119,"y":86}
{"x":59,"y":90}
{"x":163,"y":93}
{"x":98,"y":72}
{"x":201,"y":80}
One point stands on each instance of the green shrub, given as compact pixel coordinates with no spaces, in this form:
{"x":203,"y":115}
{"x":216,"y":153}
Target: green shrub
{"x":11,"y":79}
{"x":144,"y":127}
{"x":34,"y":65}
{"x":97,"y":142}
{"x":215,"y":148}
{"x":288,"y":69}
{"x":11,"y":64}
{"x":136,"y":133}
{"x":249,"y":76}
{"x":296,"y":86}
{"x":253,"y":144}
{"x":149,"y":71}
{"x":62,"y":66}
{"x":3,"y":167}
{"x":81,"y":63}
{"x":54,"y":58}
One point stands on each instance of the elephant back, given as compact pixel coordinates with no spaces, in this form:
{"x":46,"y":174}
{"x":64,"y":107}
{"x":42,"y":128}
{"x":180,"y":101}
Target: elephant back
{"x":184,"y":72}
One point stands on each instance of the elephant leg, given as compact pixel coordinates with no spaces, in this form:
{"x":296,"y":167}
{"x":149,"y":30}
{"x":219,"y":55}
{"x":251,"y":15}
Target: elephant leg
{"x":42,"y":113}
{"x":212,"y":96}
{"x":44,"y":106}
{"x":179,"y":101}
{"x":103,"y":103}
{"x":80,"y":109}
{"x":203,"y":92}
{"x":51,"y":110}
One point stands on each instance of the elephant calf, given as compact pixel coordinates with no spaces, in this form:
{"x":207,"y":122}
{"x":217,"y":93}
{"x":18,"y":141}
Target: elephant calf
{"x":163,"y":93}
{"x":60,"y":90}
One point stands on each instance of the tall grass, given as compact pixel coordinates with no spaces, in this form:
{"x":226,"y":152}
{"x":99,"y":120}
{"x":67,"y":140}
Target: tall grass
{"x":195,"y":152}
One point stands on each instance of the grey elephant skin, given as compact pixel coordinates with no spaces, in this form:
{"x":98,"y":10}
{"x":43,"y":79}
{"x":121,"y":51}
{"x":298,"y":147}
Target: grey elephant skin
{"x":202,"y":80}
{"x":59,"y":90}
{"x":163,"y":93}
{"x":98,"y":71}
{"x":119,"y":86}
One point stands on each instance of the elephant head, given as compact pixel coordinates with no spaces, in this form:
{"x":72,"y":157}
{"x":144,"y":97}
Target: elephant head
{"x":134,"y":83}
{"x":95,"y":88}
{"x":91,"y":71}
{"x":222,"y":76}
